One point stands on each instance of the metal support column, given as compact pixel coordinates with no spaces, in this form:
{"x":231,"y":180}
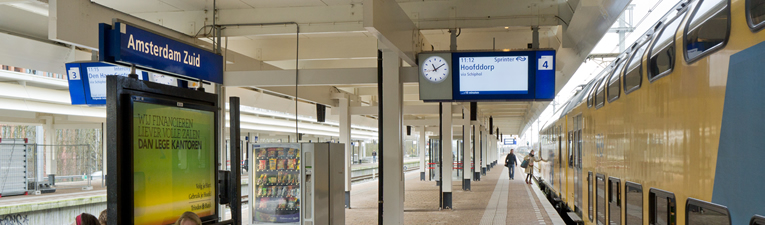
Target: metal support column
{"x":447,"y":160}
{"x":421,"y":149}
{"x":235,"y":186}
{"x":467,"y":148}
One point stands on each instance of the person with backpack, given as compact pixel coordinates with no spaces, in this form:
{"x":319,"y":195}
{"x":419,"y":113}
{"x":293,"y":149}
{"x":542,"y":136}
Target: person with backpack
{"x":374,"y":156}
{"x":510,"y":162}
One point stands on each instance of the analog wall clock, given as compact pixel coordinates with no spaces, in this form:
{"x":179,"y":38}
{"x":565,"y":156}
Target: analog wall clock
{"x":435,"y":69}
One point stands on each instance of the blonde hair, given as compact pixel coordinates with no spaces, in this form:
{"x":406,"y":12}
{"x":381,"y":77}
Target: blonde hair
{"x":188,"y":216}
{"x":102,"y":217}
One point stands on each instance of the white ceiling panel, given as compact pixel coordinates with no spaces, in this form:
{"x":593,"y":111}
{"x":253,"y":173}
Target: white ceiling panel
{"x":139,"y":6}
{"x":283,"y":3}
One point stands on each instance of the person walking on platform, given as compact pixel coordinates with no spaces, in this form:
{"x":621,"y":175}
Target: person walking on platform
{"x":529,"y":161}
{"x":374,"y":156}
{"x":510,"y":163}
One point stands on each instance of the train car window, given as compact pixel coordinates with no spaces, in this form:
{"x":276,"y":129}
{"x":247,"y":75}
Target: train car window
{"x":614,"y":201}
{"x":755,"y":14}
{"x":662,"y":208}
{"x":600,"y":94}
{"x":662,"y":53}
{"x":591,"y":95}
{"x":757,"y":220}
{"x":600,"y":202}
{"x":633,"y":73}
{"x":614,"y":86}
{"x":589,"y":194}
{"x":579,"y":149}
{"x":701,"y":212}
{"x":707,"y":30}
{"x":633,"y":207}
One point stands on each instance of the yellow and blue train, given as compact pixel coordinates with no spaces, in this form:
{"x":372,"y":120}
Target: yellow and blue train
{"x":672,"y":131}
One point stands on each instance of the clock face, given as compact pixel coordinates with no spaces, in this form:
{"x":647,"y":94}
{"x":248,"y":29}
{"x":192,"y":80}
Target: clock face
{"x":435,"y":69}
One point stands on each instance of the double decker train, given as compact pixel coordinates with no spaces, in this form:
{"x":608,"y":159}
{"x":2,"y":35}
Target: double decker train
{"x":671,"y":132}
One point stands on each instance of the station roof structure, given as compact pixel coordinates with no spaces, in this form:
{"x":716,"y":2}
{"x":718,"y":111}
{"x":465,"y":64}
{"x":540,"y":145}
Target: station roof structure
{"x":337,"y":54}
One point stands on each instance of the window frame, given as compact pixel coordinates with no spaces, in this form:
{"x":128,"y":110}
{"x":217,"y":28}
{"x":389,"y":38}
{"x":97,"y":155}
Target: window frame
{"x":591,"y":94}
{"x":706,"y":205}
{"x":590,"y":196}
{"x":601,"y":82}
{"x":715,"y":48}
{"x":653,"y":193}
{"x":605,"y":197}
{"x":757,"y":219}
{"x":619,"y":198}
{"x":753,"y":27}
{"x":642,"y":200}
{"x":680,"y":15}
{"x":639,"y":67}
{"x":620,"y":63}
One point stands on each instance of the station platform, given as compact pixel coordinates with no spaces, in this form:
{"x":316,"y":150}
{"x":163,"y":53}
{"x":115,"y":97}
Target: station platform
{"x":493,"y":200}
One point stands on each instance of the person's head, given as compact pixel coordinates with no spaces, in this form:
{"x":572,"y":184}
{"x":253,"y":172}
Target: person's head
{"x":102,"y":217}
{"x":531,"y":152}
{"x":511,"y":150}
{"x":188,"y":218}
{"x":86,"y":219}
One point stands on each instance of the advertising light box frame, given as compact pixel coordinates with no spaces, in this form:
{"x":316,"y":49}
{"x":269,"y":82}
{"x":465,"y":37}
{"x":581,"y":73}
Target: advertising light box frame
{"x":121,"y":93}
{"x":541,"y":83}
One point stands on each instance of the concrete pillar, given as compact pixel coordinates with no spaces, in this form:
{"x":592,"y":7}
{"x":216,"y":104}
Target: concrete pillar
{"x":421,"y":148}
{"x":345,"y":138}
{"x":447,"y":160}
{"x":484,"y":150}
{"x":476,"y":152}
{"x":467,"y":149}
{"x":392,"y":176}
{"x":40,"y":153}
{"x":50,"y":154}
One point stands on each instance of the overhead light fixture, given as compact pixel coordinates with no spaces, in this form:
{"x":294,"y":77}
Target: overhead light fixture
{"x":507,"y":27}
{"x":506,"y":50}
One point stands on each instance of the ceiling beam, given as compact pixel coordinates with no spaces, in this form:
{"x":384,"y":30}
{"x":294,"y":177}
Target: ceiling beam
{"x":311,"y":77}
{"x":393,"y":28}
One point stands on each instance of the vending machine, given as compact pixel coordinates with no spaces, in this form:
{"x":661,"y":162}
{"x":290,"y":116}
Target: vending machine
{"x":297,"y":183}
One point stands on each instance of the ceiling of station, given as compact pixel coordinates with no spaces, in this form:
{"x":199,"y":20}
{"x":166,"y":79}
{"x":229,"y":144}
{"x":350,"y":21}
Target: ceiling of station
{"x":332,"y":35}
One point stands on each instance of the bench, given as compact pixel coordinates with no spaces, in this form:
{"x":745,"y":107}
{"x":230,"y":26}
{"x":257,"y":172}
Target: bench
{"x":574,"y":218}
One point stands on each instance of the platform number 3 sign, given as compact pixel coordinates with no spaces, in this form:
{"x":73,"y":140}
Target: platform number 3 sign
{"x":74,"y":73}
{"x":546,"y":62}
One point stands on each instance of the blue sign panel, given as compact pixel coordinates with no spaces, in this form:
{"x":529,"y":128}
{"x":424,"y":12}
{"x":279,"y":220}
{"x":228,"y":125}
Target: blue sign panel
{"x":87,"y":81}
{"x":128,"y":44}
{"x":521,"y":75}
{"x":509,"y":141}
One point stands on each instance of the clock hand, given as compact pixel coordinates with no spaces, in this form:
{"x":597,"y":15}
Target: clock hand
{"x":440,"y":66}
{"x":434,"y":67}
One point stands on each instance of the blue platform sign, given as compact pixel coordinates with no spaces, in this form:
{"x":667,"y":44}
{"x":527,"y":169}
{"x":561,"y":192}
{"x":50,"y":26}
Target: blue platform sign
{"x":509,"y":141}
{"x":87,"y":81}
{"x":127,"y":44}
{"x":503,"y":76}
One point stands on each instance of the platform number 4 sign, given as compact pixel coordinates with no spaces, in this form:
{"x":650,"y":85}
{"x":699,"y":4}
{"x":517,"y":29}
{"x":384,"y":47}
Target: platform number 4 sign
{"x":546,"y":62}
{"x":74,"y":73}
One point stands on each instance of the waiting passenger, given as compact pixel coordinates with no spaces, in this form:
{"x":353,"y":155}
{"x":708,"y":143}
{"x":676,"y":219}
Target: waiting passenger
{"x":530,"y":166}
{"x":189,"y":218}
{"x":85,"y":219}
{"x":510,"y":162}
{"x":102,"y":217}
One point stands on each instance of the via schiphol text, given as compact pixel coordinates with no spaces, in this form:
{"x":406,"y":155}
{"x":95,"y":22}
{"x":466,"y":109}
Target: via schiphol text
{"x":163,"y":52}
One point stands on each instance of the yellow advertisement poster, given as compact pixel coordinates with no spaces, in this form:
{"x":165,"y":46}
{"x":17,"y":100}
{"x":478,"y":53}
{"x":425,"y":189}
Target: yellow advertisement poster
{"x":173,"y":166}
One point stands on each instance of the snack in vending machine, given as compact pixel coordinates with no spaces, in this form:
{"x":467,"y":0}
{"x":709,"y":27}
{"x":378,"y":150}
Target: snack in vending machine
{"x":262,"y":164}
{"x":281,"y":164}
{"x":272,"y":164}
{"x":271,"y":152}
{"x":280,"y":152}
{"x":291,"y":163}
{"x":291,"y":152}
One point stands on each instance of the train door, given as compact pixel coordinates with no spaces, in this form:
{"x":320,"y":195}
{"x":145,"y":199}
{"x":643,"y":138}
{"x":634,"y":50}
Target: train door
{"x":560,"y":160}
{"x":577,"y":162}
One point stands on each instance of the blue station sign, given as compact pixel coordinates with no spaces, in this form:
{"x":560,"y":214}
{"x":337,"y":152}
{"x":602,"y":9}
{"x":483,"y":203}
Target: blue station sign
{"x":510,"y":141}
{"x":127,"y":44}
